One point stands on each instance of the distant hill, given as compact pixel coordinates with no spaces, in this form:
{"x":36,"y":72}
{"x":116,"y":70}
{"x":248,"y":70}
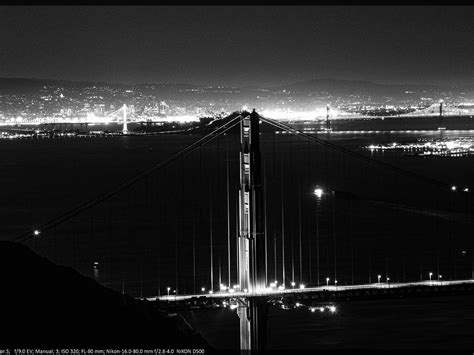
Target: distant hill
{"x":335,"y":86}
{"x":45,"y":305}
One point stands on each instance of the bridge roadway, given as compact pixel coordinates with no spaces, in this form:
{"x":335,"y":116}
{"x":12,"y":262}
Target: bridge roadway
{"x":276,"y":292}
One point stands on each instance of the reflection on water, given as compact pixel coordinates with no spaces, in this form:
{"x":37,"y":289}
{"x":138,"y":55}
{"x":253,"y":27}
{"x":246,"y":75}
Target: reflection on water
{"x":424,"y":323}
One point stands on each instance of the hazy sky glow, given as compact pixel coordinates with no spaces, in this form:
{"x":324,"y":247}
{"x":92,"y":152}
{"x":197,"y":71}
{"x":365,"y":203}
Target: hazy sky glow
{"x":239,"y":45}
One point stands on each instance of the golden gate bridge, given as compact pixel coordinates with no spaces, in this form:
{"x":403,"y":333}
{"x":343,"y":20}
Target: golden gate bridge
{"x":247,"y":213}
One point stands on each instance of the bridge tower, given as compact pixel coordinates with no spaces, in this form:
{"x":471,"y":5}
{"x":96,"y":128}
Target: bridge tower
{"x":124,"y":112}
{"x":328,"y":122}
{"x":251,"y":241}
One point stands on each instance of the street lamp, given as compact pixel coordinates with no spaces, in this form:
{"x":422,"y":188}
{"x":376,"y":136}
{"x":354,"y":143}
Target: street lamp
{"x":318,"y":192}
{"x":293,"y":284}
{"x":378,"y":278}
{"x":168,"y":289}
{"x":203,"y":289}
{"x":431,"y":274}
{"x":335,"y":283}
{"x":327,"y":281}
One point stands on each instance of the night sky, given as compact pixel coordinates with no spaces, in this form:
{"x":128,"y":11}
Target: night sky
{"x":239,"y":45}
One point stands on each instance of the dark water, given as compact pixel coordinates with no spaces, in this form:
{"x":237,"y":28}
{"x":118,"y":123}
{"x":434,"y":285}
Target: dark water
{"x":440,"y":323}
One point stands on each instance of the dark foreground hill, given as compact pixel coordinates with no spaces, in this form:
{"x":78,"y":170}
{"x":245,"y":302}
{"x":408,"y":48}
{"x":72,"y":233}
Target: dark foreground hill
{"x":45,"y":305}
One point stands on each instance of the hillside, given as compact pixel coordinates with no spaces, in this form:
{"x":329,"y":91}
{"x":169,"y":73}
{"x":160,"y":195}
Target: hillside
{"x":45,"y":305}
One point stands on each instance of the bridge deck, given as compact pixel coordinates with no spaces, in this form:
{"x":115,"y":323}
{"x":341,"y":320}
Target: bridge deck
{"x":275,"y":292}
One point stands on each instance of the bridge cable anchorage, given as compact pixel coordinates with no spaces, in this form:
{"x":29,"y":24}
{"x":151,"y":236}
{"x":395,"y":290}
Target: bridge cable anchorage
{"x":355,"y":154}
{"x":126,"y":184}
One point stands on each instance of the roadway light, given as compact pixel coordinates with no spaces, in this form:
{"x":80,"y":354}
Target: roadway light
{"x":318,"y":192}
{"x":210,"y":292}
{"x":293,"y":284}
{"x":431,"y":274}
{"x":466,"y":189}
{"x":327,"y":281}
{"x":302,"y":286}
{"x":388,"y":279}
{"x":378,"y":277}
{"x":168,"y":289}
{"x":36,"y":232}
{"x":453,"y":188}
{"x":203,"y":289}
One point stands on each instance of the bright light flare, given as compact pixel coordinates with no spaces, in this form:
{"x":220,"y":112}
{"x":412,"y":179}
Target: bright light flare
{"x":318,"y":192}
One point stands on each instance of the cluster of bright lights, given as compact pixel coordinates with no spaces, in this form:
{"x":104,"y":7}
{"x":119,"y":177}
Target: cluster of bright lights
{"x":448,"y":110}
{"x":452,"y":147}
{"x":319,"y":113}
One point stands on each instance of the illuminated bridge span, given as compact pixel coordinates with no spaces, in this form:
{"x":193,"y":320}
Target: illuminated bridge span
{"x":242,"y":210}
{"x":271,"y":292}
{"x":124,"y":116}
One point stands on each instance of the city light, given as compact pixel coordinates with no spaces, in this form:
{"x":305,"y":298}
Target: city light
{"x":379,"y":277}
{"x":430,"y":274}
{"x":36,"y":232}
{"x":327,"y":281}
{"x":302,"y":286}
{"x":332,"y":309}
{"x":453,"y":188}
{"x":168,"y":289}
{"x":466,"y":189}
{"x":293,"y":284}
{"x":203,"y":289}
